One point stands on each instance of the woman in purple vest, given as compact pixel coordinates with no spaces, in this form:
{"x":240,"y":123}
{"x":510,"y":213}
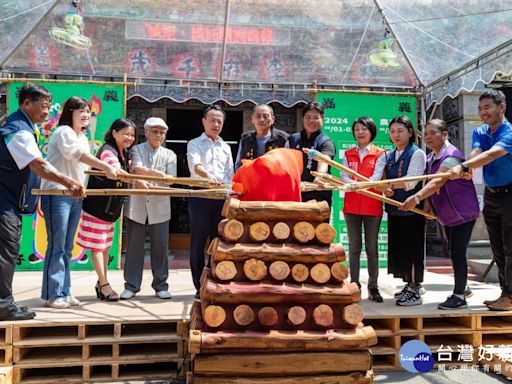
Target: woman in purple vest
{"x":456,"y":204}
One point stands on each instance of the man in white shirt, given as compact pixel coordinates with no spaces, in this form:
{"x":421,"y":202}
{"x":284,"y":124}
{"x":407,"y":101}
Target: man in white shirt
{"x":21,"y":166}
{"x":151,"y":213}
{"x":208,"y":156}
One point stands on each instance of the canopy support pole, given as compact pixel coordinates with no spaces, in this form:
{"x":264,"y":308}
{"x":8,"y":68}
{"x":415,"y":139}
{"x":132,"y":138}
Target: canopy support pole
{"x":223,"y":53}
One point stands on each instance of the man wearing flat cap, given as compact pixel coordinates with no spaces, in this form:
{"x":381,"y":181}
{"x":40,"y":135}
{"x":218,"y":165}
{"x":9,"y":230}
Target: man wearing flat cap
{"x":149,"y":213}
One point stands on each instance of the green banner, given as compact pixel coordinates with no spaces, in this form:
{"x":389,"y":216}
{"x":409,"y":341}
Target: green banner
{"x":107,"y":103}
{"x":342,"y":109}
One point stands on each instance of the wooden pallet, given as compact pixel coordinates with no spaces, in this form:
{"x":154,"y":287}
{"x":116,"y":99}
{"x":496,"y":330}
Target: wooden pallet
{"x":98,"y":351}
{"x":437,"y":330}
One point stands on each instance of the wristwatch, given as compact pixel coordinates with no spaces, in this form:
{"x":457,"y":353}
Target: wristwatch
{"x":417,"y":199}
{"x":464,"y":167}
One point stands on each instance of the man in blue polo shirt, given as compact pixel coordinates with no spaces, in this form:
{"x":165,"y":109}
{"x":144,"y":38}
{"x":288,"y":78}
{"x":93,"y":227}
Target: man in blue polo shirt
{"x":492,"y":149}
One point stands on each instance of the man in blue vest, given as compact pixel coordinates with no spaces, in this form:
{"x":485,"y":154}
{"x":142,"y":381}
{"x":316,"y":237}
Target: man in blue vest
{"x":21,"y":166}
{"x":492,"y":149}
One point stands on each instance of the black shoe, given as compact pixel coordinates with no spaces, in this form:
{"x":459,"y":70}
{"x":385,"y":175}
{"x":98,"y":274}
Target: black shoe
{"x":453,"y":302}
{"x":197,"y":296}
{"x":18,"y":315}
{"x":468,"y":293}
{"x":374,"y":295}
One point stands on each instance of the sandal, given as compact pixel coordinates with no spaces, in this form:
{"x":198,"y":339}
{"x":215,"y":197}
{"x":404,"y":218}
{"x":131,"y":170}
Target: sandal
{"x":111,"y":296}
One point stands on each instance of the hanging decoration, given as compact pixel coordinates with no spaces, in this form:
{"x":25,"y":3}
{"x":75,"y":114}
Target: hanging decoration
{"x":383,"y":56}
{"x":72,"y":34}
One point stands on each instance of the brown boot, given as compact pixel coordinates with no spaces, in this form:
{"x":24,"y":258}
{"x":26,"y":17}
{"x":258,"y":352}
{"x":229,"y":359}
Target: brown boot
{"x":487,"y":302}
{"x":504,"y":303}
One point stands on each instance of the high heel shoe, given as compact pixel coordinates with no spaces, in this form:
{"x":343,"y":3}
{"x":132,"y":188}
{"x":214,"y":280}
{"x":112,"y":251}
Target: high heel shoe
{"x":111,"y":296}
{"x":98,"y":290}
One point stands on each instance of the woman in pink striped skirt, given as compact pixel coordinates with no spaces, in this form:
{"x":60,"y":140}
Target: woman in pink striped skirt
{"x":99,"y":213}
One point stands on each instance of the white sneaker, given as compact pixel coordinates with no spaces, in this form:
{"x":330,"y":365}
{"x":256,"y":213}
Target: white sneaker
{"x":165,"y":295}
{"x":59,"y":303}
{"x":126,"y":294}
{"x":72,"y":300}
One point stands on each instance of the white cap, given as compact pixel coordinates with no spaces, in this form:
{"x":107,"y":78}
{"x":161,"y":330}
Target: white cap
{"x":155,"y":122}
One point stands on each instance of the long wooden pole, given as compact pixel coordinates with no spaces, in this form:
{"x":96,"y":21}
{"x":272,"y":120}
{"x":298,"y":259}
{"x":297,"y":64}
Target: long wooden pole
{"x":386,"y":182}
{"x":214,"y":194}
{"x":189,"y":181}
{"x":337,"y":181}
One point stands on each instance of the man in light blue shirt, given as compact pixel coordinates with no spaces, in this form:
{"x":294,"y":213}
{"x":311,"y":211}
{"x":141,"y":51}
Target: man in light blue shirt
{"x":208,"y":156}
{"x":492,"y":149}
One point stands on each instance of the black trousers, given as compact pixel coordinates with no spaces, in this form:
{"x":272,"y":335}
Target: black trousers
{"x":205,"y":215}
{"x":498,"y":218}
{"x":10,"y":235}
{"x":458,"y":239}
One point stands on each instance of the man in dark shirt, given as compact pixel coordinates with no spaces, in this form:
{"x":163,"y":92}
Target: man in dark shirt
{"x":313,"y":137}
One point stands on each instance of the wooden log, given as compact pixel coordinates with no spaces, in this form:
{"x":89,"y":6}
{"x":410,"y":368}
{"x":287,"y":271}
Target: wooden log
{"x":320,"y":273}
{"x":325,"y":233}
{"x":296,"y":315}
{"x":323,"y":315}
{"x":220,"y":251}
{"x":231,"y":230}
{"x":259,"y":231}
{"x":254,"y":269}
{"x":214,"y":316}
{"x":303,"y":232}
{"x":243,"y":315}
{"x":330,"y":340}
{"x":236,"y":365}
{"x":347,"y":378}
{"x":339,"y":271}
{"x":275,"y":210}
{"x":279,"y":270}
{"x":281,"y":231}
{"x":225,"y":270}
{"x":267,"y":316}
{"x":240,"y":293}
{"x":353,"y":314}
{"x":300,"y":273}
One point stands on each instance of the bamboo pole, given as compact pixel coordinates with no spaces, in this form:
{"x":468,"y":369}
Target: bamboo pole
{"x":24,"y":80}
{"x":214,"y":194}
{"x":337,"y":181}
{"x":189,"y":181}
{"x":389,"y":182}
{"x":306,"y":186}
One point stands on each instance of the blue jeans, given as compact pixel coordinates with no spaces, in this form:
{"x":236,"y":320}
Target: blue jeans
{"x":61,"y":215}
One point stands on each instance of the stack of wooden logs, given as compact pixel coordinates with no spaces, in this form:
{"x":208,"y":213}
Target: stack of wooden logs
{"x":276,"y":306}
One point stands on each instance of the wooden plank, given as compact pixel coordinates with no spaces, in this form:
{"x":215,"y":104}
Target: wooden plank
{"x":332,"y":340}
{"x":238,"y":293}
{"x":351,"y":378}
{"x":285,"y":364}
